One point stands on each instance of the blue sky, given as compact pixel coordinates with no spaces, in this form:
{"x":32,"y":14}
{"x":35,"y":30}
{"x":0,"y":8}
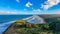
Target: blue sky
{"x":29,"y":6}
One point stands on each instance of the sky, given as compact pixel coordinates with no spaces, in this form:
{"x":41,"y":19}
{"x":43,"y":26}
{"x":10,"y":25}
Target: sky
{"x":29,"y":6}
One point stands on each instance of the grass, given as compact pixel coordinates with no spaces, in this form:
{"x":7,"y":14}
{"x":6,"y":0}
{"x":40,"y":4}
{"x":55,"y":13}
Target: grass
{"x":27,"y":28}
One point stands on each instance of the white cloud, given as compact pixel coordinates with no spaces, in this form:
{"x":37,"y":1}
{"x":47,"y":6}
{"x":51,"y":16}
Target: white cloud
{"x":7,"y":12}
{"x":18,"y":1}
{"x":37,"y":10}
{"x":13,"y":12}
{"x":28,"y":4}
{"x":50,"y":3}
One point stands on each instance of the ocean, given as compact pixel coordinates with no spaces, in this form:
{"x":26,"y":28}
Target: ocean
{"x":7,"y":20}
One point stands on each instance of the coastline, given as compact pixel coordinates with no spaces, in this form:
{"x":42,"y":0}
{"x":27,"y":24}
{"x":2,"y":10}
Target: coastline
{"x":8,"y":29}
{"x":4,"y":26}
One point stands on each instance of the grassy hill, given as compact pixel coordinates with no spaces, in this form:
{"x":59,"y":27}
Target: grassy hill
{"x":23,"y":27}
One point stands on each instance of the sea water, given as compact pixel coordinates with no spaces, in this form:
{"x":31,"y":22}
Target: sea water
{"x":7,"y":20}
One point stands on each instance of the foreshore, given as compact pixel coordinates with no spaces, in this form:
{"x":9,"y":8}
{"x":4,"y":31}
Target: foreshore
{"x":5,"y":26}
{"x":9,"y":30}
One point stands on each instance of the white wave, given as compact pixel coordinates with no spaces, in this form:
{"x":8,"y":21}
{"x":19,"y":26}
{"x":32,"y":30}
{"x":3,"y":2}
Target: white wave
{"x":35,"y":19}
{"x":4,"y":26}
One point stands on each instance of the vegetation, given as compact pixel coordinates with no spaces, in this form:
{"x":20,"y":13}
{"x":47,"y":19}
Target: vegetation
{"x":50,"y":27}
{"x":23,"y":27}
{"x":53,"y":23}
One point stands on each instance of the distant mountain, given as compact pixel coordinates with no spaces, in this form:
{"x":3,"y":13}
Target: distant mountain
{"x":49,"y":15}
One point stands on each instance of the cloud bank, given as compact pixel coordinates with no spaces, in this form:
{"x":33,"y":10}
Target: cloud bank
{"x":37,"y":10}
{"x":50,"y":3}
{"x":7,"y":12}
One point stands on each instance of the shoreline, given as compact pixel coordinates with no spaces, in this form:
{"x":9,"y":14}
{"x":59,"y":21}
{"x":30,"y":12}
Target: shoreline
{"x":7,"y":28}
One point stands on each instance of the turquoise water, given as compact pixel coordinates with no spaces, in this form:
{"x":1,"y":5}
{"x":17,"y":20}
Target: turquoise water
{"x":7,"y":20}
